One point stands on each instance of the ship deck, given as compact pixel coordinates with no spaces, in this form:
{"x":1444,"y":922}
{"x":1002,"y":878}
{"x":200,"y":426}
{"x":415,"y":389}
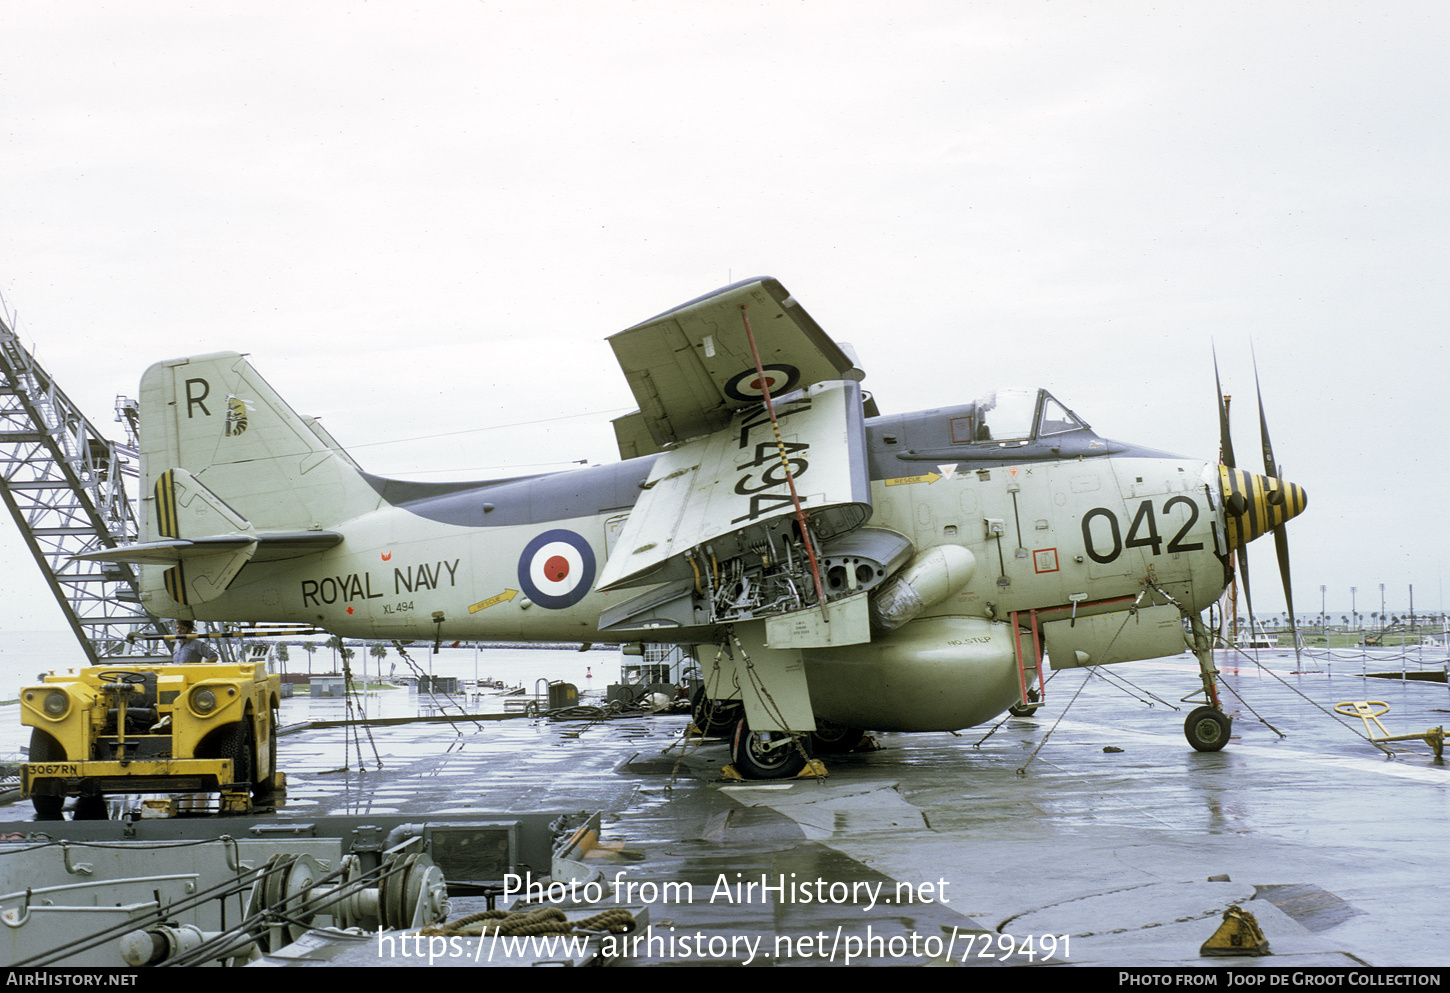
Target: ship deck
{"x":1088,"y":834}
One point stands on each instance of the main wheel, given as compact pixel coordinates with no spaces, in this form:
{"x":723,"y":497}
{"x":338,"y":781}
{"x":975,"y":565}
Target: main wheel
{"x":1207,"y":729}
{"x":714,"y":718}
{"x":835,"y":739}
{"x":767,"y":754}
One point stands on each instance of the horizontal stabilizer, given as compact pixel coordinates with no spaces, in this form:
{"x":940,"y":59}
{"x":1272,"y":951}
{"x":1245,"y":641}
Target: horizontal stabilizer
{"x":169,"y":551}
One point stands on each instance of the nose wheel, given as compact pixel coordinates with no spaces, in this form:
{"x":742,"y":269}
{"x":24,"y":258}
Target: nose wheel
{"x":1207,"y":729}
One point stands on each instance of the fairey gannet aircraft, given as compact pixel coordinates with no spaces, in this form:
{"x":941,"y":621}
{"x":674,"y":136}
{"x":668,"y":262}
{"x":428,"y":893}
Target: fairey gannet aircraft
{"x":838,"y":569}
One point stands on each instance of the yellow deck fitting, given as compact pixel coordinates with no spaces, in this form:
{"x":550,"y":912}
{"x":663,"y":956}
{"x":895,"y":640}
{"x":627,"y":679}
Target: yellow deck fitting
{"x":236,"y":802}
{"x":1370,"y":711}
{"x":814,"y":769}
{"x":158,"y":807}
{"x":1239,"y":934}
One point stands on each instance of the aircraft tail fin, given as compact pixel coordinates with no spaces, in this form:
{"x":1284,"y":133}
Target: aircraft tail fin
{"x":232,"y":475}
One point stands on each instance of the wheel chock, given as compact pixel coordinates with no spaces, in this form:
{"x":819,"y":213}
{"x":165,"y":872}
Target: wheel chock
{"x":814,"y":769}
{"x":1239,"y":934}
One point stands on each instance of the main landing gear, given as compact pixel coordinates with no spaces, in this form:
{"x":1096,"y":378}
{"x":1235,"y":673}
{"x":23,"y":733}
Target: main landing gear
{"x":768,"y":754}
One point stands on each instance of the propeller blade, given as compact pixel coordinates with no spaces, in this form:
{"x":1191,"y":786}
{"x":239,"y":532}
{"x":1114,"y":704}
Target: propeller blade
{"x":1271,"y":468}
{"x":1225,"y":443}
{"x":1281,"y":535}
{"x":1243,"y":557}
{"x":1281,"y":547}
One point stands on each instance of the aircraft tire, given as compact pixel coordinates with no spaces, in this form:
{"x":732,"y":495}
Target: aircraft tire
{"x":1207,"y":729}
{"x":714,"y":718}
{"x":835,"y":739}
{"x":754,"y":761}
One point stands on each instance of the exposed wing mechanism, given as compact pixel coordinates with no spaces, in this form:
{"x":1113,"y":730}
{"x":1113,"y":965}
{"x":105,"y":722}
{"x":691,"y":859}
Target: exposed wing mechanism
{"x":740,"y":511}
{"x":726,"y":495}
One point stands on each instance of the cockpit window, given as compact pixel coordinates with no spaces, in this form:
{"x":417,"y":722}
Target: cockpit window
{"x":1005,"y":416}
{"x":1055,"y":418}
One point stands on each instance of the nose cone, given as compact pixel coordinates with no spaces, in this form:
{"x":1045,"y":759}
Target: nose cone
{"x":1255,"y":505}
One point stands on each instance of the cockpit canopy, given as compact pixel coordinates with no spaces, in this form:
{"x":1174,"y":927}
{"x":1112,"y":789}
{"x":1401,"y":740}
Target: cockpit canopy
{"x":1010,"y":424}
{"x":1015,"y":415}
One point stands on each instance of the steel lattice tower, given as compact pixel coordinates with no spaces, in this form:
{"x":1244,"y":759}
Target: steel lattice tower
{"x":65,"y":486}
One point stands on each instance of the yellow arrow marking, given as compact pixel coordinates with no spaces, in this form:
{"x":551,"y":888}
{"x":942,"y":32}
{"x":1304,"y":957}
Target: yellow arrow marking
{"x":929,"y":478}
{"x":491,"y":601}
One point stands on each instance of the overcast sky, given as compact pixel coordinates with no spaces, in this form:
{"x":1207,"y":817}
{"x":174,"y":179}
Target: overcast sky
{"x":422,"y":220}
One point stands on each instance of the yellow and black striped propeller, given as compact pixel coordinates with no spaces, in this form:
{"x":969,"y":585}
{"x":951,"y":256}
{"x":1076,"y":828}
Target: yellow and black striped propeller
{"x":1255,"y":505}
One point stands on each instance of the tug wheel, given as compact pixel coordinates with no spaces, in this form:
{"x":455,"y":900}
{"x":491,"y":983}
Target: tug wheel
{"x":236,"y":744}
{"x":263,"y":788}
{"x":44,"y":748}
{"x":48,"y":808}
{"x":90,"y":808}
{"x":767,"y":754}
{"x":1207,"y":729}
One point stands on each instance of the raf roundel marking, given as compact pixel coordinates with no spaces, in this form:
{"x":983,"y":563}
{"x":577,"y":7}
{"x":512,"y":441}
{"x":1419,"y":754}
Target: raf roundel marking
{"x":556,"y":569}
{"x":747,"y":386}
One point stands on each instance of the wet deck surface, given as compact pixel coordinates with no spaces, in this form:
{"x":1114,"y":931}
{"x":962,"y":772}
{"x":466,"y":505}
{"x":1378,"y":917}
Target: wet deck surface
{"x":940,"y":846}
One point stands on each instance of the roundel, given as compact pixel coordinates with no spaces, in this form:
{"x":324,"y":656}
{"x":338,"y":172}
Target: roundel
{"x":750,"y":385}
{"x":556,"y":569}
